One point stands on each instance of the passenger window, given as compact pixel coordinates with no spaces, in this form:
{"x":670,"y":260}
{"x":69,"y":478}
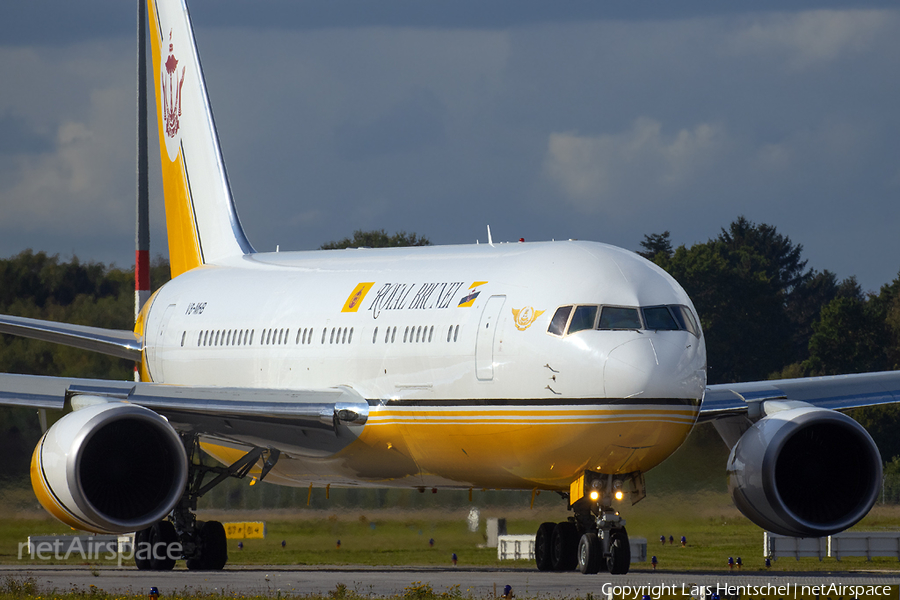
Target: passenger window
{"x":584,"y":318}
{"x":430,"y":333}
{"x":394,"y":335}
{"x":456,"y":333}
{"x":615,"y":317}
{"x":660,"y":319}
{"x":558,"y":324}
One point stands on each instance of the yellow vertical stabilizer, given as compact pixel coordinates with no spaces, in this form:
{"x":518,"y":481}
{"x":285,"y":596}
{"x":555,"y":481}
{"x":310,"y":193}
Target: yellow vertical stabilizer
{"x":201,"y":220}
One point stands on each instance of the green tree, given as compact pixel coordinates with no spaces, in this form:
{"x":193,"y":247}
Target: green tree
{"x":657,"y":245}
{"x":781,"y":260}
{"x":377,"y":238}
{"x":37,"y":285}
{"x":755,"y":297}
{"x":886,"y":306}
{"x":849,"y":337}
{"x":882,"y":423}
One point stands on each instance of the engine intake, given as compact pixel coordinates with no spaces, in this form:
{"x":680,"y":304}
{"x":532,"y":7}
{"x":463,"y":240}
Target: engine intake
{"x":112,"y":467}
{"x":805,"y":472}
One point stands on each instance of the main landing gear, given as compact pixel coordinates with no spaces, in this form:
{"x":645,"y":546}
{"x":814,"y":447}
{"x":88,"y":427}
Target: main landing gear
{"x":202,"y":544}
{"x":594,"y":539}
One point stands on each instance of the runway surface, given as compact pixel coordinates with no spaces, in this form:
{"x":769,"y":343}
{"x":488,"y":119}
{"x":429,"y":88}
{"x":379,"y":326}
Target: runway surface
{"x":389,"y":581}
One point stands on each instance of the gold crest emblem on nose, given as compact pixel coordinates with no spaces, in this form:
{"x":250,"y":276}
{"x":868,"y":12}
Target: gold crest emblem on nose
{"x":525,"y":316}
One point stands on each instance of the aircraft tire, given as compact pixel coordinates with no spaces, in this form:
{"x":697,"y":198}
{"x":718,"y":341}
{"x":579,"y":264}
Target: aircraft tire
{"x":162,"y":532}
{"x":542,"y":549}
{"x":619,"y":559}
{"x":141,"y":558}
{"x":564,"y":547}
{"x":590,"y":554}
{"x":213,"y":548}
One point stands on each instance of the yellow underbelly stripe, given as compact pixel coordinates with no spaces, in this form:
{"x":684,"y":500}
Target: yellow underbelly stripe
{"x":527,"y":416}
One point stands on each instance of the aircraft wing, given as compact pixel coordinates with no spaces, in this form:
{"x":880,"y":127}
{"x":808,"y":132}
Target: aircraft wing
{"x":305,"y":421}
{"x":114,"y":342}
{"x":838,"y":392}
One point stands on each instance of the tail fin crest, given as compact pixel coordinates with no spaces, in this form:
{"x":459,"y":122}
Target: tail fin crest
{"x":201,"y":219}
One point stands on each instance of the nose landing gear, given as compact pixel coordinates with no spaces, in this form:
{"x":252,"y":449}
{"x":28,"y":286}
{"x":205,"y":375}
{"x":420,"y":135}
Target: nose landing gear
{"x":594,"y":539}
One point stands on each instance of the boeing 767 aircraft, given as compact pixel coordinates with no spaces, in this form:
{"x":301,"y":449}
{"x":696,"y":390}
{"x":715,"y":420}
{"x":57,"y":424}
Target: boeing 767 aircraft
{"x":572,"y":367}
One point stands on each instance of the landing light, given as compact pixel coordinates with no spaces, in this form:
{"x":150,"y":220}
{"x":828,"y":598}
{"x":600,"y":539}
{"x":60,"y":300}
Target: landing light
{"x":595,"y":495}
{"x":619,"y":495}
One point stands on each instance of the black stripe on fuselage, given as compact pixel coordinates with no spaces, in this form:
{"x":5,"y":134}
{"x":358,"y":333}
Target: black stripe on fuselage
{"x":539,"y":402}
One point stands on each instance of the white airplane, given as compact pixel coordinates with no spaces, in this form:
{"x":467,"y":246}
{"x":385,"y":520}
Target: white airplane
{"x":572,"y":367}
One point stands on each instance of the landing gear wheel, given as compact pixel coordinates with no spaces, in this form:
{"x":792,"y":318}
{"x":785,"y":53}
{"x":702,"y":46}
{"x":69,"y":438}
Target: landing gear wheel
{"x":564,"y":547}
{"x":141,"y":550}
{"x":162,"y":536}
{"x":542,"y":547}
{"x":619,"y":558}
{"x":590,"y":554}
{"x":213,"y":548}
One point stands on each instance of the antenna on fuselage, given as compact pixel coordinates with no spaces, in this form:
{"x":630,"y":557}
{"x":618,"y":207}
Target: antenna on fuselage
{"x":490,"y":241}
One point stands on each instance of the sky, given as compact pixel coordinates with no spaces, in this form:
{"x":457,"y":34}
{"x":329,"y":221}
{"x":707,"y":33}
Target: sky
{"x":581,"y":119}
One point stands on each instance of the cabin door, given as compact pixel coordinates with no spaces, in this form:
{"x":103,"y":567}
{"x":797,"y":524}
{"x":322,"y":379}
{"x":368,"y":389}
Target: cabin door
{"x":484,"y":340}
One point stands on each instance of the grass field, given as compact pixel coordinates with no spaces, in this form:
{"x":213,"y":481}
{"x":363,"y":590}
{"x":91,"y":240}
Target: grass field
{"x":714,"y":530}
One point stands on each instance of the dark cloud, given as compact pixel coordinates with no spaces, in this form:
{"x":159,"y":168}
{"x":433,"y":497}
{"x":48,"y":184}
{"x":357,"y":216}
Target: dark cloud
{"x":415,"y":122}
{"x":54,"y":22}
{"x":476,"y":14}
{"x":602,"y":121}
{"x":17,"y":137}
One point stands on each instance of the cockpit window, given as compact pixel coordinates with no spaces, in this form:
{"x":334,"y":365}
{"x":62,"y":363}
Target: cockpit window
{"x":659,"y":318}
{"x":686,"y":319}
{"x":584,"y":318}
{"x":672,"y":317}
{"x":558,"y":324}
{"x":617,"y":317}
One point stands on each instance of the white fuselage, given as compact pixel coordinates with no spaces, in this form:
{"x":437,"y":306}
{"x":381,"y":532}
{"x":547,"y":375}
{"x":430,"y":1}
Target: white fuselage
{"x":430,"y":327}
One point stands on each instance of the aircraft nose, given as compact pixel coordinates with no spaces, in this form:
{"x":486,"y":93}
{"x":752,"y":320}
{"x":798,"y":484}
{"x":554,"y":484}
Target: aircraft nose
{"x":668,"y":365}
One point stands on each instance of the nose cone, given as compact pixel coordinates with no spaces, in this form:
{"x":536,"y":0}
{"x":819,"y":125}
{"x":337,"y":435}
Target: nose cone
{"x":665,"y":364}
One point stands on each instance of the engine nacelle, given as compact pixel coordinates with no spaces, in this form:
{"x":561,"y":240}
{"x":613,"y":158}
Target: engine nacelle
{"x":112,"y":467}
{"x":805,"y":472}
